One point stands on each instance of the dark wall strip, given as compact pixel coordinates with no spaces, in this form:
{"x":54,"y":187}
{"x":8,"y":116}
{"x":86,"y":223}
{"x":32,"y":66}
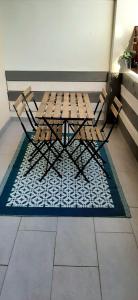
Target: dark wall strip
{"x":131,"y":114}
{"x":65,"y":76}
{"x":129,"y":139}
{"x":12,"y":95}
{"x":130,"y":85}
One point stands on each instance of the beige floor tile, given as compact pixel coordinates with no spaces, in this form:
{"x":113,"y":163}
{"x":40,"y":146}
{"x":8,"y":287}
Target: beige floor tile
{"x":29,"y":274}
{"x":8,"y":231}
{"x":129,"y":183}
{"x":123,"y":159}
{"x":134,"y":222}
{"x":75,"y":242}
{"x":39,"y":223}
{"x":118,"y":262}
{"x":75,"y":284}
{"x":121,"y":153}
{"x":5,"y":161}
{"x":112,"y":225}
{"x":2,"y":275}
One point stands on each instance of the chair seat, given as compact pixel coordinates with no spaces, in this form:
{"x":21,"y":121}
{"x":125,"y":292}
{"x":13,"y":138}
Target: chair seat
{"x":90,"y":133}
{"x":44,"y":133}
{"x":77,"y":122}
{"x":41,"y":122}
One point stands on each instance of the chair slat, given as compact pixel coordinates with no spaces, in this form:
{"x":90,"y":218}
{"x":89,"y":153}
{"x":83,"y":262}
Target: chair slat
{"x":94,"y":137}
{"x":104,"y":92}
{"x":65,"y":106}
{"x":88,"y":133}
{"x":18,"y":101}
{"x":48,"y":135}
{"x":89,"y":109}
{"x":83,"y":134}
{"x":27,"y":91}
{"x":50,"y":106}
{"x":43,"y":134}
{"x":37,"y":134}
{"x":74,"y":106}
{"x":99,"y":135}
{"x":43,"y":105}
{"x":30,"y":97}
{"x":81,"y":106}
{"x":57,"y":110}
{"x":101,"y":99}
{"x":114,"y":111}
{"x":59,"y":132}
{"x":117,"y":102}
{"x":21,"y":108}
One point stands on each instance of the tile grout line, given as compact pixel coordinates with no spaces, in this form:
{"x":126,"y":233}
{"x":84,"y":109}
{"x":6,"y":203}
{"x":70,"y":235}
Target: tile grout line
{"x":3,"y":265}
{"x":53,"y":261}
{"x":132,"y":206}
{"x":10,"y":256}
{"x":37,"y":230}
{"x":76,"y":266}
{"x":108,"y":232}
{"x":98,"y":260}
{"x":134,"y":235}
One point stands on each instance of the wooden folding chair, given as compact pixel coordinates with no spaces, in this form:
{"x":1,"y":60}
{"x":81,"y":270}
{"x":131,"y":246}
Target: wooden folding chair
{"x":29,"y":97}
{"x":88,"y":135}
{"x":98,"y":110}
{"x":42,"y":135}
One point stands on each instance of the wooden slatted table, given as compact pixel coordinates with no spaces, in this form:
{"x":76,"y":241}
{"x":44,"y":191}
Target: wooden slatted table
{"x":67,"y":109}
{"x":65,"y":106}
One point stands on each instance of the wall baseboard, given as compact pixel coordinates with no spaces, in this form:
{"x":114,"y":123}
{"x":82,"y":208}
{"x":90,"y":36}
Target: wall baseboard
{"x":128,"y":138}
{"x":130,"y":113}
{"x":3,"y":129}
{"x":130,"y":84}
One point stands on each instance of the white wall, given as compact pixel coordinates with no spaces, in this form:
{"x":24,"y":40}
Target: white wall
{"x":126,"y":19}
{"x":70,"y":35}
{"x":4,"y":107}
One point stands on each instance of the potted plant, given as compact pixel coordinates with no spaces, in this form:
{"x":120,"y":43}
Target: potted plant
{"x":126,"y":59}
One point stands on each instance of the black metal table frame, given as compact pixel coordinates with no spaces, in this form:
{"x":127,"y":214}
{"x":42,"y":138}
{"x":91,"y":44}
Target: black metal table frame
{"x":65,"y":143}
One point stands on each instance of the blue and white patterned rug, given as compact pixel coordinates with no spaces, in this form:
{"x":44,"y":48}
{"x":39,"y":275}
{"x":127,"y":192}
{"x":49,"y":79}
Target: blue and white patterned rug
{"x":64,"y":196}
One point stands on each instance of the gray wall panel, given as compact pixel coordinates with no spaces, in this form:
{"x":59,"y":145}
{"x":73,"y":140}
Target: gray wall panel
{"x":65,"y":76}
{"x":131,"y":114}
{"x":130,"y":85}
{"x":129,"y":139}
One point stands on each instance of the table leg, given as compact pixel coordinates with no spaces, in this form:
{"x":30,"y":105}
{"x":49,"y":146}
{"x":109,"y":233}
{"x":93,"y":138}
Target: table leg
{"x":64,"y":146}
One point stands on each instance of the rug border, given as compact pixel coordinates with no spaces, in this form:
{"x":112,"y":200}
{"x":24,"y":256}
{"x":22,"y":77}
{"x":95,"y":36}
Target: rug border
{"x":89,"y":212}
{"x":123,"y":198}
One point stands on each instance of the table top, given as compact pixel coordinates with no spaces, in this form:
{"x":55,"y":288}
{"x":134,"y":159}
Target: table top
{"x":66,"y":105}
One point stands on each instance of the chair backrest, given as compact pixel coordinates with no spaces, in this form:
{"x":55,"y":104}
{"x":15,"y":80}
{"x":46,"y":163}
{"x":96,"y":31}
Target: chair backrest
{"x":27,"y":91}
{"x":101,"y":103}
{"x":115,"y":109}
{"x":104,"y":93}
{"x":102,"y":97}
{"x":28,"y":96}
{"x":20,"y":106}
{"x":117,"y":103}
